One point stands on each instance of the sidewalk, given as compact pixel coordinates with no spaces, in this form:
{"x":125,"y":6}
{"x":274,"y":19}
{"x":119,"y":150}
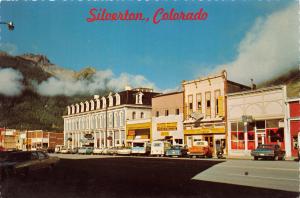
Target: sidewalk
{"x":251,"y":158}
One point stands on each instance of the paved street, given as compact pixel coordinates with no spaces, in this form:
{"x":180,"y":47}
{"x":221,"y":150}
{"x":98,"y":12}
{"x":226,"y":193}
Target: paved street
{"x":279,"y":175}
{"x":107,"y":176}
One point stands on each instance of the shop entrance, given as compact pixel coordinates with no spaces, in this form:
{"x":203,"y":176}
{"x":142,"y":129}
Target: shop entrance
{"x":261,"y":138}
{"x":210,"y":140}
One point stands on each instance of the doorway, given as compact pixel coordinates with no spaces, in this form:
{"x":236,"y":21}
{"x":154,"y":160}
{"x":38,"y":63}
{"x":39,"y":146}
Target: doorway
{"x":261,"y":138}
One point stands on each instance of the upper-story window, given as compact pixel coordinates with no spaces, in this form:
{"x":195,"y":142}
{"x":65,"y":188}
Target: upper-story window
{"x":98,"y":103}
{"x":166,"y":112}
{"x":121,"y":118}
{"x":118,"y":99}
{"x":69,"y":110}
{"x":190,"y":103}
{"x":142,"y":115}
{"x":116,"y":119}
{"x":199,"y":102}
{"x":177,"y":111}
{"x":133,"y":115}
{"x":87,"y":106}
{"x":103,"y":102}
{"x":92,"y":104}
{"x":110,"y":100}
{"x":139,"y":98}
{"x":72,"y":109}
{"x":157,"y":113}
{"x":110,"y":120}
{"x":217,"y":95}
{"x":77,"y":108}
{"x":81,"y":107}
{"x":208,"y":103}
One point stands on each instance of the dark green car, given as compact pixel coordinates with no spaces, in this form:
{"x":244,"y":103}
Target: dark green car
{"x":268,"y":151}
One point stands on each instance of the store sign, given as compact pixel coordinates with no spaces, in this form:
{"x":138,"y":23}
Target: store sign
{"x":164,"y":133}
{"x":131,"y":133}
{"x":169,"y":126}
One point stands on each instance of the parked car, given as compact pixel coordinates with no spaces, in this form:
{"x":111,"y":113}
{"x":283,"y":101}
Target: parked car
{"x":23,"y":162}
{"x":268,"y":151}
{"x":140,"y":147}
{"x":105,"y":151}
{"x":58,"y":148}
{"x":200,"y":148}
{"x":159,"y":147}
{"x":97,"y":151}
{"x":74,"y":150}
{"x":177,"y":151}
{"x":85,"y":150}
{"x":65,"y":150}
{"x":112,"y":151}
{"x":124,"y":151}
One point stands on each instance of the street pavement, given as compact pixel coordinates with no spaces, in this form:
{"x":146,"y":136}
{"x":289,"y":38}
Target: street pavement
{"x":281,"y":175}
{"x":113,"y":176}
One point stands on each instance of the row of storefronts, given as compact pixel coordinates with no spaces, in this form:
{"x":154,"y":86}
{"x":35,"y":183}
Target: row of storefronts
{"x":223,"y":113}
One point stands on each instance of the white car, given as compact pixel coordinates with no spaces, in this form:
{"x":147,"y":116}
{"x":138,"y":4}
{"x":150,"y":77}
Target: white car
{"x":97,"y":151}
{"x":64,"y":151}
{"x":124,"y":151}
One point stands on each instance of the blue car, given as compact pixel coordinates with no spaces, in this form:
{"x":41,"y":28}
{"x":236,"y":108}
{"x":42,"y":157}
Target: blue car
{"x":177,"y":151}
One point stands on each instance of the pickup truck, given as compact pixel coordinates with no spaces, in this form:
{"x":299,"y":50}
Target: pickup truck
{"x":201,"y":149}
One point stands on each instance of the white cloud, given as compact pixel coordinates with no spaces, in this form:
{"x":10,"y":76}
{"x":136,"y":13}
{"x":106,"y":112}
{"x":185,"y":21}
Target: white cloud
{"x":9,"y":48}
{"x":268,"y":49}
{"x":102,"y":79}
{"x":10,"y":82}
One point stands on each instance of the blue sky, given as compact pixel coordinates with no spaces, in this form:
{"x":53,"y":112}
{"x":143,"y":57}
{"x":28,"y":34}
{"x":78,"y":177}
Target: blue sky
{"x":165,"y":54}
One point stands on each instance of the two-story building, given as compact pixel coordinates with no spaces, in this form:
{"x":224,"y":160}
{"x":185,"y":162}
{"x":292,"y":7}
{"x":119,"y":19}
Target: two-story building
{"x":257,"y":117}
{"x":101,"y":121}
{"x":167,"y":117}
{"x":205,"y":108}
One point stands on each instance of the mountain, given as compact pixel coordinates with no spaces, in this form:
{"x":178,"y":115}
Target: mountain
{"x":31,"y":110}
{"x":291,"y":79}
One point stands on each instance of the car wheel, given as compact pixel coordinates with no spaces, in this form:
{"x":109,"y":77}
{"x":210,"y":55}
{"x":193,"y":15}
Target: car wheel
{"x":255,"y":158}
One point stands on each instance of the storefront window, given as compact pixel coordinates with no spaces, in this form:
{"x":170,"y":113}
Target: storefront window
{"x":260,"y":124}
{"x":251,"y":140}
{"x":275,"y":135}
{"x":272,"y":123}
{"x":233,"y":126}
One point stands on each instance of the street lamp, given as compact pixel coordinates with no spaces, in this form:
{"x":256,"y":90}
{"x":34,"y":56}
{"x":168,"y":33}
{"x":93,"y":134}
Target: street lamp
{"x":10,"y":25}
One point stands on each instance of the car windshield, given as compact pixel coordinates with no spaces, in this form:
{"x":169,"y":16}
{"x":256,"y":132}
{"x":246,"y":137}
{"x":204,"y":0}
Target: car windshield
{"x":265,"y":146}
{"x":138,"y":144}
{"x":176,"y":147}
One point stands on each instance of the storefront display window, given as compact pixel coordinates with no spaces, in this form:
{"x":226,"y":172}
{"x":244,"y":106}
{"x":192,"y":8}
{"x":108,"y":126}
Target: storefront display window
{"x":275,"y":135}
{"x":251,"y":140}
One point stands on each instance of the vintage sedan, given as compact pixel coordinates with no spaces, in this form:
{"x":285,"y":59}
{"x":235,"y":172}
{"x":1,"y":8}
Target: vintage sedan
{"x":112,"y":151}
{"x":268,"y":151}
{"x":85,"y":150}
{"x":97,"y":151}
{"x":177,"y":151}
{"x":124,"y":151}
{"x":65,"y":150}
{"x":23,"y":162}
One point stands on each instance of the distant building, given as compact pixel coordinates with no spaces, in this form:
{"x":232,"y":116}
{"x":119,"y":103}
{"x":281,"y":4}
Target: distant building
{"x":205,"y":109}
{"x":257,"y":117}
{"x":293,"y":121}
{"x":167,"y":117}
{"x":102,"y":121}
{"x":39,"y":139}
{"x":8,"y":138}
